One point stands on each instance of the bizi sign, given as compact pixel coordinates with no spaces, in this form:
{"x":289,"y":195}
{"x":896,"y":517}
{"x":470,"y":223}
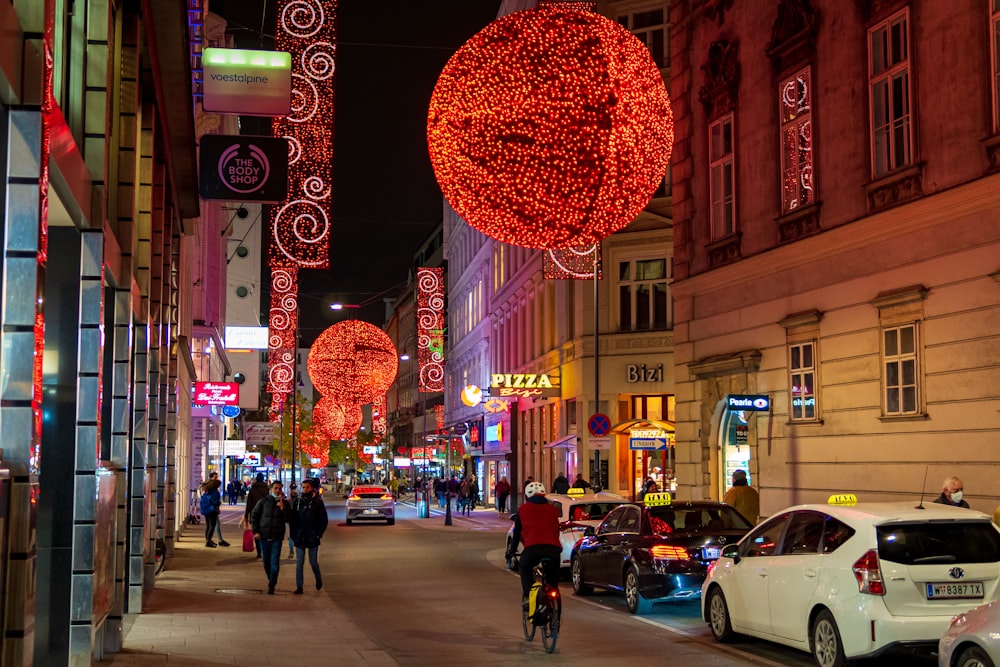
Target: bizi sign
{"x":243,"y":168}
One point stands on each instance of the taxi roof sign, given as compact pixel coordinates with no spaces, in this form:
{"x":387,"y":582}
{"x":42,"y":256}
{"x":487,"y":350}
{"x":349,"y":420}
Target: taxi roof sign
{"x":842,"y":499}
{"x":576,"y":491}
{"x":658,"y":499}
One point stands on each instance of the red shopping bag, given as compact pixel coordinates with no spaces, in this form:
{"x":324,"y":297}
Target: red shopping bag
{"x":248,"y":544}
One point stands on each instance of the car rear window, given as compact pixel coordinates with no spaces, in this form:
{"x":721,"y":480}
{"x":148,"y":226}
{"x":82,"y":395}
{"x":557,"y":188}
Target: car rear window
{"x":667,"y":519}
{"x":927,"y":543}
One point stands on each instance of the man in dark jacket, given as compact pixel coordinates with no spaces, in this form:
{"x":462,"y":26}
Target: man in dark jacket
{"x":258,"y":491}
{"x":308,"y":528}
{"x":560,"y":484}
{"x":268,"y":521}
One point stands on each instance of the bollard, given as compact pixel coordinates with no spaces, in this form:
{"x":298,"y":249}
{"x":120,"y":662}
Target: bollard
{"x":423,"y":510}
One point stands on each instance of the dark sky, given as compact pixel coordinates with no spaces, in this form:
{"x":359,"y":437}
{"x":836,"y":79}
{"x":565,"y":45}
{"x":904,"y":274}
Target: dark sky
{"x":385,"y":198}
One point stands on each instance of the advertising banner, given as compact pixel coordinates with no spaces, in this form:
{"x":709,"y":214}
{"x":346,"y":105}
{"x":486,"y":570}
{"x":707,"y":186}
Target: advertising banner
{"x":260,"y":433}
{"x":247,"y":82}
{"x":216,"y":393}
{"x":243,"y":168}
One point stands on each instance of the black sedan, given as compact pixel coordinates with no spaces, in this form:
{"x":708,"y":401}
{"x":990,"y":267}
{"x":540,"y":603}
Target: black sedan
{"x":656,"y":551}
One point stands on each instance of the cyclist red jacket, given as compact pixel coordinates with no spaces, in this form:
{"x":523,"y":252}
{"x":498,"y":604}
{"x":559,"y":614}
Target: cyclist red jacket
{"x":537,"y":522}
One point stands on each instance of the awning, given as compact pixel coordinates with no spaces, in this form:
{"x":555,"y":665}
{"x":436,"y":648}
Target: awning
{"x":569,"y":442}
{"x":623,"y":428}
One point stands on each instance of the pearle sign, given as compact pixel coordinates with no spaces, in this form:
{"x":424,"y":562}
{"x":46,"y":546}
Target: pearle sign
{"x":216,"y":393}
{"x":250,"y":83}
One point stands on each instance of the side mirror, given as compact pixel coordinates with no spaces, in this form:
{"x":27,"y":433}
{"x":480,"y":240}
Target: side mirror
{"x":731,"y":551}
{"x":589,"y":531}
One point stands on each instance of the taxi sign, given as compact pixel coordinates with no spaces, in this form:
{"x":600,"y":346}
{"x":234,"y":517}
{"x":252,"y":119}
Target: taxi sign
{"x":842,"y":499}
{"x":657,"y":499}
{"x":576,"y":491}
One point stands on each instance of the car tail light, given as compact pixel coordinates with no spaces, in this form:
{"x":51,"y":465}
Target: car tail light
{"x":711,"y":566}
{"x":387,"y":496}
{"x":354,"y":496}
{"x":868,"y":574}
{"x":669,"y":552}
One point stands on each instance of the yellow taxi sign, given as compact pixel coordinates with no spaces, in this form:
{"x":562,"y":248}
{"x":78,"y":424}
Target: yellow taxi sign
{"x":576,"y":491}
{"x":657,"y":499}
{"x":842,"y":499}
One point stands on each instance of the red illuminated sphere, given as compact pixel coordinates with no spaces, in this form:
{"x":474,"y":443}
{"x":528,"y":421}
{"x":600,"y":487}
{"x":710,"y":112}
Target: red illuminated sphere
{"x":550,"y":128}
{"x":353,"y":362}
{"x":337,"y":421}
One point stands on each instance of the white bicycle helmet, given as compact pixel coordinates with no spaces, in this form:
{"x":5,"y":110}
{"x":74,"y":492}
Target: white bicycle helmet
{"x":533,"y":488}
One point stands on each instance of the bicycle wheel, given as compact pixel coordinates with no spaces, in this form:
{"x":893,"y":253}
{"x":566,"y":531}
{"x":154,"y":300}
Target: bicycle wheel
{"x":527,"y":625}
{"x":550,"y":631}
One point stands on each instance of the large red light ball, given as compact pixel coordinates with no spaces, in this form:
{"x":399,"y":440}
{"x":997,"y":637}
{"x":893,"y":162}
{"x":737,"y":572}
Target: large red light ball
{"x":550,"y":128}
{"x":353,"y":362}
{"x":337,"y":421}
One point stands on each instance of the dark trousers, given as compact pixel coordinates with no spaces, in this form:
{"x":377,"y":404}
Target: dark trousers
{"x":270,"y":551}
{"x":300,"y":556}
{"x":531,"y":556}
{"x":211,"y":525}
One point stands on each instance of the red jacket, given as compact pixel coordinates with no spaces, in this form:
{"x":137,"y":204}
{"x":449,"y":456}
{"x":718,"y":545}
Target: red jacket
{"x":539,"y":523}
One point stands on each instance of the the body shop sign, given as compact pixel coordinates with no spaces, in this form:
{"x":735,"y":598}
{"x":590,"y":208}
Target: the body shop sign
{"x":250,"y":83}
{"x":243,"y":168}
{"x":216,"y":393}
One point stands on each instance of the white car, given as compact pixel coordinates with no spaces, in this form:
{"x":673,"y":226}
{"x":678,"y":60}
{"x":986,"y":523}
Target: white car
{"x":973,"y":640}
{"x":371,"y":503}
{"x":846,"y":582}
{"x":577,"y":511}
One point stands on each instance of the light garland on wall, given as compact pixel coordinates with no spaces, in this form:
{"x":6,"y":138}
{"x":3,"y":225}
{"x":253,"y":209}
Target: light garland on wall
{"x":550,"y":128}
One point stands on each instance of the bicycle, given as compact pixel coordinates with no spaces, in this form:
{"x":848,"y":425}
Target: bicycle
{"x":544,"y":610}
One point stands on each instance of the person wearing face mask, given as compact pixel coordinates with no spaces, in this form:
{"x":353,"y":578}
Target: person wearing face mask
{"x":308,"y":528}
{"x":268,"y":521}
{"x":952,"y":493}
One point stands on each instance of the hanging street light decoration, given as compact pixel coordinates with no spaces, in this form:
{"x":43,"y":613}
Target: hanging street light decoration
{"x":353,"y":362}
{"x":550,"y":128}
{"x":430,"y":329}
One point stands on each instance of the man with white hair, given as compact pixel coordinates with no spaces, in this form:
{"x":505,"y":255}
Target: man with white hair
{"x":952,"y":492}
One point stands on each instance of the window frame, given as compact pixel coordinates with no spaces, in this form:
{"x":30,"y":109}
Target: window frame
{"x":802,"y":119}
{"x":900,"y":358}
{"x":633,"y":284}
{"x":724,"y":228}
{"x":802,"y":370}
{"x":645,"y":34}
{"x":891,"y":73}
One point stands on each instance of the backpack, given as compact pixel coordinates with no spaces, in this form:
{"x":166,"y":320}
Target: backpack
{"x":206,"y":504}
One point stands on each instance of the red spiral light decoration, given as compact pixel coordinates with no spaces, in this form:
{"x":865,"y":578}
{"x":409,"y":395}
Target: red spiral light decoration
{"x":550,"y":128}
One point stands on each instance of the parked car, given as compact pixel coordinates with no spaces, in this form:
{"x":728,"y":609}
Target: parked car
{"x":847,"y":582}
{"x":972,"y":639}
{"x":655,"y":552}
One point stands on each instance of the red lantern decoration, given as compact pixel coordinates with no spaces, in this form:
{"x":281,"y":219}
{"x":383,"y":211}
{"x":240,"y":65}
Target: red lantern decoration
{"x":353,"y":362}
{"x":550,"y":128}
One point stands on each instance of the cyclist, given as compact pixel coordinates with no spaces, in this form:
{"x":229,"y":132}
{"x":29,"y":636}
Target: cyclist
{"x":536,"y":524}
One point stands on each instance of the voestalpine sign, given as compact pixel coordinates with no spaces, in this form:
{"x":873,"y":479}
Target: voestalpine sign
{"x":756,"y":403}
{"x":243,"y":168}
{"x":525,"y":385}
{"x":250,"y":83}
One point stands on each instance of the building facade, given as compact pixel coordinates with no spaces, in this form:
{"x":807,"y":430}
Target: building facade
{"x":837,"y":247}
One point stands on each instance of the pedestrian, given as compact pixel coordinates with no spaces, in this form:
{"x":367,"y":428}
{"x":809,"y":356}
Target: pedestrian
{"x":952,"y":492}
{"x":742,"y":497}
{"x":210,"y":503}
{"x":440,"y":486}
{"x":268,"y":520}
{"x":453,"y":485}
{"x":560,"y":484}
{"x":258,"y":491}
{"x":580,"y":482}
{"x":474,"y":489}
{"x":465,"y":497}
{"x":294,"y":495}
{"x":232,"y":490}
{"x":310,"y":524}
{"x":649,"y":486}
{"x":502,"y":491}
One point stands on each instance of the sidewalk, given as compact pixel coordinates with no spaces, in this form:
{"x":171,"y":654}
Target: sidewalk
{"x":209,"y":608}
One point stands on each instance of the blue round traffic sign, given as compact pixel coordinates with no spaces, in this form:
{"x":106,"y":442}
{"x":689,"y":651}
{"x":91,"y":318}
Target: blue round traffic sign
{"x":599,"y":424}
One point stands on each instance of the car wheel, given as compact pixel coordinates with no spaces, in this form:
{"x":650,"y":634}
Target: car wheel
{"x":633,"y":600}
{"x":973,"y":656}
{"x":349,"y":522}
{"x":718,"y":617}
{"x":390,"y":522}
{"x":576,"y":575}
{"x":827,"y":649}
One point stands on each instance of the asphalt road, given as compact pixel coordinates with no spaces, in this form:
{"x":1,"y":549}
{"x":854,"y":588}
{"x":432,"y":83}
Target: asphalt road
{"x":432,"y":594}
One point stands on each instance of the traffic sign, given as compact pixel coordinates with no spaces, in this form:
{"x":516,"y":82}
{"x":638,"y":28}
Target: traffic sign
{"x":599,"y":424}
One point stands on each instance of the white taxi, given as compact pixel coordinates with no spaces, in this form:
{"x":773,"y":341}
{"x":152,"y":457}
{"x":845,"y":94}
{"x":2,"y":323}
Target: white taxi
{"x":577,"y":510}
{"x":855,"y":580}
{"x":371,"y":503}
{"x":973,"y":640}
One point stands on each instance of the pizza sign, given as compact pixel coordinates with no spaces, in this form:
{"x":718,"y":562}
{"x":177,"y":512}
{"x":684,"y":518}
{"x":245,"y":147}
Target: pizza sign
{"x":216,"y":393}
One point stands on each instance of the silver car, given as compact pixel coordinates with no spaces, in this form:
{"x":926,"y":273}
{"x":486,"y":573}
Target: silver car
{"x":973,"y":639}
{"x":371,"y":503}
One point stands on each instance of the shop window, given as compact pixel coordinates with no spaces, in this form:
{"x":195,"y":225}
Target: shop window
{"x":722,"y":177}
{"x":644,"y":302}
{"x":900,"y":371}
{"x":795,"y":100}
{"x":802,"y":380}
{"x":890,"y":90}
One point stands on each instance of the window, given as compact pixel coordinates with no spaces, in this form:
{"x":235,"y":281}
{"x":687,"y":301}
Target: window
{"x":796,"y":141}
{"x":644,"y":294}
{"x":722,"y":177}
{"x":834,"y":534}
{"x":899,"y":354}
{"x":802,"y":376}
{"x":630,"y":520}
{"x":995,"y":60}
{"x":651,"y":29}
{"x":949,"y":543}
{"x":764,"y":540}
{"x":804,"y":534}
{"x":889,"y":59}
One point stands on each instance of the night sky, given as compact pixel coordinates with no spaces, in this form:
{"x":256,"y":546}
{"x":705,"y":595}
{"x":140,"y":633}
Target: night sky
{"x":385,"y":198}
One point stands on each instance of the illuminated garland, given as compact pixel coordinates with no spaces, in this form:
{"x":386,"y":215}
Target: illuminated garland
{"x":335,"y":420}
{"x":353,"y":362}
{"x":550,"y":128}
{"x":430,"y":329}
{"x":572,"y":263}
{"x":281,"y":334}
{"x":379,"y":423}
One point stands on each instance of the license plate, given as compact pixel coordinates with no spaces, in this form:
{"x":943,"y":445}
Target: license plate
{"x":371,"y":511}
{"x":711,"y":553}
{"x":966,"y":589}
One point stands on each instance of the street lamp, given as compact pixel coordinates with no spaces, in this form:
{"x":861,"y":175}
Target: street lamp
{"x":341,"y":306}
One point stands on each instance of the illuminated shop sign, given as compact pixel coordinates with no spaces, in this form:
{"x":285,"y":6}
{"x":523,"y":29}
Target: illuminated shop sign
{"x":643,"y":373}
{"x":525,"y":385}
{"x":494,"y":433}
{"x":748,"y":402}
{"x":251,"y":459}
{"x":250,"y":83}
{"x":243,"y":168}
{"x":216,"y":393}
{"x":246,"y":338}
{"x":496,"y":405}
{"x":472,"y":395}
